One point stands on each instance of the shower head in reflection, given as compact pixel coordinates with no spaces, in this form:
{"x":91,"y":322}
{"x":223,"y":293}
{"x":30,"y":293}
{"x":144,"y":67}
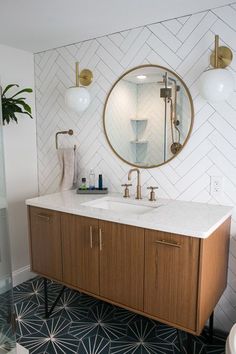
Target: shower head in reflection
{"x":169,"y":81}
{"x":165,"y":92}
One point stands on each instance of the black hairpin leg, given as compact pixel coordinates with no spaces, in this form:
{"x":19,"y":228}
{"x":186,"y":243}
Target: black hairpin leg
{"x":180,"y":340}
{"x":211,"y":327}
{"x":49,"y":312}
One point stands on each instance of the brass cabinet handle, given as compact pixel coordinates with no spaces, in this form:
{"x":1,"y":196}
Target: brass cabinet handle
{"x":44,"y":217}
{"x":91,"y":236}
{"x":100,"y":239}
{"x":173,"y":244}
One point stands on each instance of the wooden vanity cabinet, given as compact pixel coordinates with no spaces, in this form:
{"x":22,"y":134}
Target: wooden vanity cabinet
{"x":103,"y":258}
{"x":175,"y":279}
{"x":80,"y":252}
{"x":45,"y":242}
{"x":171,"y":277}
{"x":185,"y":276}
{"x":122,"y":263}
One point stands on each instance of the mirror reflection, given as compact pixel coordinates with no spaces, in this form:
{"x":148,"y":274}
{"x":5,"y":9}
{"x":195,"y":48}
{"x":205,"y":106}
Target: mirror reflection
{"x":148,"y":116}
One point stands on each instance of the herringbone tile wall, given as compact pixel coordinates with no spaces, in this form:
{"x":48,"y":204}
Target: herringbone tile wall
{"x":182,"y":44}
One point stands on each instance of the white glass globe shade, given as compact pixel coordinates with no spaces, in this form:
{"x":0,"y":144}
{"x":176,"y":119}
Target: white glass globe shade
{"x":216,"y":85}
{"x":77,"y":98}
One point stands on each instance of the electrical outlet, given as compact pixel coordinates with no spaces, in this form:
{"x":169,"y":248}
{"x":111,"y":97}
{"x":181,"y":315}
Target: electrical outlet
{"x":216,"y":185}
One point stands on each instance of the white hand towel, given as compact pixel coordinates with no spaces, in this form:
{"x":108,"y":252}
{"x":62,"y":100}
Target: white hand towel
{"x":66,"y":158}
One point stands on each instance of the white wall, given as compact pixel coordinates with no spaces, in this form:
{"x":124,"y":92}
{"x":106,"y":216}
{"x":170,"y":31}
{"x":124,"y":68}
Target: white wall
{"x":17,"y":66}
{"x":183,"y":45}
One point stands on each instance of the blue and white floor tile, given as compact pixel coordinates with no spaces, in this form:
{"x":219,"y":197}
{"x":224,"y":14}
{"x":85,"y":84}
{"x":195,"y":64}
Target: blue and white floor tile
{"x":82,"y":324}
{"x":95,"y":345}
{"x":27,"y":320}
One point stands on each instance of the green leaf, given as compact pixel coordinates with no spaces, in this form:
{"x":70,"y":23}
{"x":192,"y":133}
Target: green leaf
{"x":16,"y":99}
{"x":12,"y":106}
{"x":8,"y":87}
{"x":29,"y":90}
{"x":26,"y":107}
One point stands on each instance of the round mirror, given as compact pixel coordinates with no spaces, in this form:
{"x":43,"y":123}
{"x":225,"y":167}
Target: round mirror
{"x":148,"y":116}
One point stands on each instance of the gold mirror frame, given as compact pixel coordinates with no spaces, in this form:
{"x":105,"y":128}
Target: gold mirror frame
{"x":191,"y":106}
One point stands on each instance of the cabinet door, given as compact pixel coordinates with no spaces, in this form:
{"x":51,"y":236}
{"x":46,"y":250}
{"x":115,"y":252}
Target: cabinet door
{"x":80,"y":252}
{"x":171,"y":277}
{"x":122,"y":263}
{"x":45,"y":240}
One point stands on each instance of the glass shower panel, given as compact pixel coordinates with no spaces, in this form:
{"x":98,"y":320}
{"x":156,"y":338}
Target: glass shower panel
{"x":7,"y":336}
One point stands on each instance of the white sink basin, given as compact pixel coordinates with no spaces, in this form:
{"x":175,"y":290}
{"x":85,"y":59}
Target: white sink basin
{"x":121,"y":206}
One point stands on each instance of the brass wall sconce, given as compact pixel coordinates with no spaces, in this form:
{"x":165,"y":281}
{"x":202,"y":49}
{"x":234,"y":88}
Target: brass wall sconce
{"x":77,"y":98}
{"x":217,"y":83}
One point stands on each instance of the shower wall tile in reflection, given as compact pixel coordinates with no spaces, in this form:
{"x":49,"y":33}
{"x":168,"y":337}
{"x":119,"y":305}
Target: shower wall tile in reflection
{"x":152,"y":107}
{"x":122,"y":107}
{"x":183,"y":45}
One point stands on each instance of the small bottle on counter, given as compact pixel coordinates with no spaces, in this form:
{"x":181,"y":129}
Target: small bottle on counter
{"x":91,"y":179}
{"x":100,"y":183}
{"x":83,"y":184}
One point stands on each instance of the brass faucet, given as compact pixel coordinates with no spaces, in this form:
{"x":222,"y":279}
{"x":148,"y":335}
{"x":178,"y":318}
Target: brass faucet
{"x":138,"y":191}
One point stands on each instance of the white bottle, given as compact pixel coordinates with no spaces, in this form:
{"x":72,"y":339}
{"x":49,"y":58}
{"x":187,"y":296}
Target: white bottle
{"x":91,"y":179}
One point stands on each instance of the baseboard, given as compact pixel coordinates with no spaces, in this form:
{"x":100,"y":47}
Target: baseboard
{"x":21,"y":275}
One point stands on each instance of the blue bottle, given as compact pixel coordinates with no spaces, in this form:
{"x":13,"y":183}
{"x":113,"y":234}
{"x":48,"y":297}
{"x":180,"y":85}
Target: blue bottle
{"x":100,"y":185}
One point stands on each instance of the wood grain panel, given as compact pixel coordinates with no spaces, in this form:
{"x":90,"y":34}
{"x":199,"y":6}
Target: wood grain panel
{"x":214,"y":253}
{"x":80,"y":252}
{"x":171,"y":278}
{"x":45,"y":242}
{"x":122,"y":264}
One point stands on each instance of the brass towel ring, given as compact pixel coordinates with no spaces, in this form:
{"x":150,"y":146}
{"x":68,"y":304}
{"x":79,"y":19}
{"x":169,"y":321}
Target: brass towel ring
{"x":69,"y":132}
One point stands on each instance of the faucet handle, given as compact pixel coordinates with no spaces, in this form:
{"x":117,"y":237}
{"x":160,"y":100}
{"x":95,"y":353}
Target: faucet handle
{"x":126,"y":191}
{"x":152,"y":197}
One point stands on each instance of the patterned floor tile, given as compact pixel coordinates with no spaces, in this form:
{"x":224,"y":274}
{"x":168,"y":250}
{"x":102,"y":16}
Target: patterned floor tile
{"x":84,"y":328}
{"x":217,"y":347}
{"x":131,"y":345}
{"x":52,"y":338}
{"x":142,"y":329}
{"x":88,"y":301}
{"x":101,"y":312}
{"x":30,"y":291}
{"x":27,"y":320}
{"x":198,"y":348}
{"x":141,"y":337}
{"x":68,"y":307}
{"x":82,"y":324}
{"x":99,"y":322}
{"x":166,"y":333}
{"x":124,"y":316}
{"x":103,"y":316}
{"x":34,"y":291}
{"x":94,"y":345}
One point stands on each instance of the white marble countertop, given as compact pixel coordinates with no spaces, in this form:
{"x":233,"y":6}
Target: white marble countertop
{"x":180,"y":217}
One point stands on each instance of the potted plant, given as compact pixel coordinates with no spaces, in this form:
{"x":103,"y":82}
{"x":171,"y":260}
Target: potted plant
{"x":14,"y":105}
